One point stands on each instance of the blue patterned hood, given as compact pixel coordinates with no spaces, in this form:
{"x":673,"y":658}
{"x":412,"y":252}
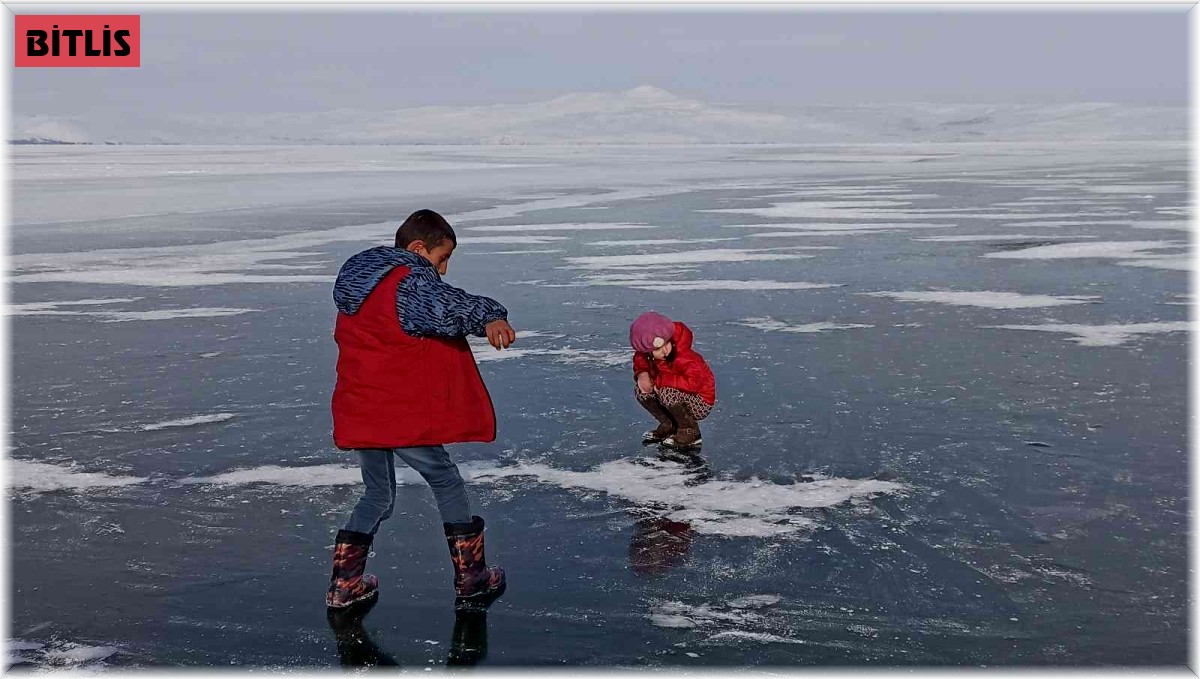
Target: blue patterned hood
{"x":362,"y":272}
{"x":426,"y":305}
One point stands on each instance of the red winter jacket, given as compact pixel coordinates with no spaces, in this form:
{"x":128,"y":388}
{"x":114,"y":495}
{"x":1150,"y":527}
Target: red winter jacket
{"x":685,"y":369}
{"x":395,"y":389}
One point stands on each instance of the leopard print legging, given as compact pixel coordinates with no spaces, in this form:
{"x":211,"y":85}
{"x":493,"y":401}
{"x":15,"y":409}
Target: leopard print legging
{"x":669,"y":397}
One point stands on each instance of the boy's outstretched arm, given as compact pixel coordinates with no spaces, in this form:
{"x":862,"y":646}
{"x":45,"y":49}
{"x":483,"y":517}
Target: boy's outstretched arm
{"x":430,"y":307}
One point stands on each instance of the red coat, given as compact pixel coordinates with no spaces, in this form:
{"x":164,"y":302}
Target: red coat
{"x":394,"y":390}
{"x":684,"y":369}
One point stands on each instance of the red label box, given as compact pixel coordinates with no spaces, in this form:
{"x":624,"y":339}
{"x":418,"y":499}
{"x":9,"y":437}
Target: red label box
{"x":78,"y":40}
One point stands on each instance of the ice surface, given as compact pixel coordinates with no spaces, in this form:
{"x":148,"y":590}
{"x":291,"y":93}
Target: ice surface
{"x":945,"y":409}
{"x":986,"y":298}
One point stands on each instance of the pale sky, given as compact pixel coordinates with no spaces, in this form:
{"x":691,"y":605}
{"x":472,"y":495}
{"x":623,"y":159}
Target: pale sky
{"x":295,"y":60}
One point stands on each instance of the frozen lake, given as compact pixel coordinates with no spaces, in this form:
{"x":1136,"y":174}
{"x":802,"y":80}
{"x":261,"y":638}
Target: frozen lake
{"x":950,"y":430}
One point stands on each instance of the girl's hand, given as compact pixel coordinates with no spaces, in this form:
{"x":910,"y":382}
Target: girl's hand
{"x":644,"y":384}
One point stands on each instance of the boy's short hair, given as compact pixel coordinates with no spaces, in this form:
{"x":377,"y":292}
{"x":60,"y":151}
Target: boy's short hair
{"x":426,"y":226}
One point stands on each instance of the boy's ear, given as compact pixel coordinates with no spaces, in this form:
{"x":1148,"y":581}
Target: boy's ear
{"x":416,"y":246}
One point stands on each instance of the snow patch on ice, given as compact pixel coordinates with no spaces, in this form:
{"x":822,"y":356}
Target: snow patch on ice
{"x":986,"y":299}
{"x":512,"y":252}
{"x":42,"y":477}
{"x":1173,"y":224}
{"x":993,"y":237}
{"x":1170,"y":262}
{"x":591,"y":226}
{"x":47,"y":309}
{"x":753,"y":508}
{"x":508,"y":240}
{"x":886,"y":209}
{"x":797,"y":234}
{"x":33,"y":308}
{"x":168,"y":314}
{"x":716,"y":284}
{"x":189,"y":421}
{"x":1106,"y":249}
{"x":1102,"y":335}
{"x":684,"y":257}
{"x":58,"y":656}
{"x":602,"y":358}
{"x":827,"y":209}
{"x":737,"y":614}
{"x":754,"y":601}
{"x":1062,"y":222}
{"x":307,"y":476}
{"x":653,"y":241}
{"x":1137,"y":189}
{"x":315,"y":476}
{"x":78,"y":654}
{"x":762,"y":637}
{"x":772,"y":325}
{"x":806,"y":228}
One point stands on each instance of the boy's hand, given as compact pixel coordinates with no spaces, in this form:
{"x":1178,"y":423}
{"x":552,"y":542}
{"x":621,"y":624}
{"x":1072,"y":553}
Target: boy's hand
{"x":500,"y":334}
{"x":644,"y":384}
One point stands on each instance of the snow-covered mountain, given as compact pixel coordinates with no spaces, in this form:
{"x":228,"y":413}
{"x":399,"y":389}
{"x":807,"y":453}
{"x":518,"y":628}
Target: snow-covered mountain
{"x":642,"y":115}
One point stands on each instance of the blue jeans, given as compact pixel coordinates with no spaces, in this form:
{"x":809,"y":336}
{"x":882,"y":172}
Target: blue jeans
{"x":379,"y":474}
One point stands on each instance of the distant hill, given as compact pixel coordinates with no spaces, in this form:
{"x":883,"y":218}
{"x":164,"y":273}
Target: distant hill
{"x":43,"y":142}
{"x":649,"y":115}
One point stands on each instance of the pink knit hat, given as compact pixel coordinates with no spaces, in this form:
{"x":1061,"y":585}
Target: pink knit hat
{"x":650,"y":331}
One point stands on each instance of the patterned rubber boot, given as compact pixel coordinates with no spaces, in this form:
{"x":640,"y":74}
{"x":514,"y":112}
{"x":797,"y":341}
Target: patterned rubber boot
{"x":475,"y":584}
{"x":347,"y":584}
{"x":666,"y":425}
{"x":688,"y":434}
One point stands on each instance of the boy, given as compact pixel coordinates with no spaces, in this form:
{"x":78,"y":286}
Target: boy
{"x":406,"y":384}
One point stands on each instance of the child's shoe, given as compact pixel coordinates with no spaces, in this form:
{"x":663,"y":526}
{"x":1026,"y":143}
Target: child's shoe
{"x":475,"y":584}
{"x":687,"y":434}
{"x":666,"y":425}
{"x":347,"y":584}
